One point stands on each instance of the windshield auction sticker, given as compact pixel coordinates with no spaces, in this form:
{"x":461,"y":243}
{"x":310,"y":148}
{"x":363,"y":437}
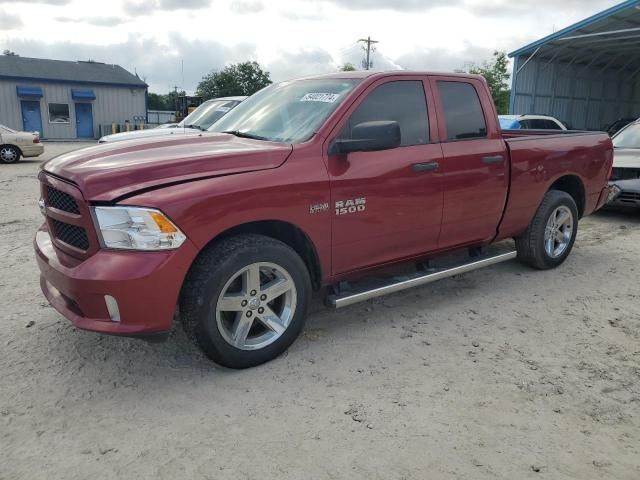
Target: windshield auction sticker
{"x":320,"y":97}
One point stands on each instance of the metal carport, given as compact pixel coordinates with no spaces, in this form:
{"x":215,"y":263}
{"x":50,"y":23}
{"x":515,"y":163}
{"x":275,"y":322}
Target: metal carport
{"x":587,"y":74}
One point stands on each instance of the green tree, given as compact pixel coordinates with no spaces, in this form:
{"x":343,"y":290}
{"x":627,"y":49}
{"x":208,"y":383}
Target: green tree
{"x":347,"y":67}
{"x":10,"y":53}
{"x":167,"y":101}
{"x":156,"y":101}
{"x":237,"y":79}
{"x":171,"y":99}
{"x":497,"y":75}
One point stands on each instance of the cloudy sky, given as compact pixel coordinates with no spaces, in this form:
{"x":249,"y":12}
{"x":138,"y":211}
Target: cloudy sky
{"x":290,"y":38}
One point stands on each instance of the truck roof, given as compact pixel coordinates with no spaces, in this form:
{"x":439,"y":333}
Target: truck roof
{"x":360,"y":74}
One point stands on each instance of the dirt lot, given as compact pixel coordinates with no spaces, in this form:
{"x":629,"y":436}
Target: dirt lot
{"x":502,"y":373}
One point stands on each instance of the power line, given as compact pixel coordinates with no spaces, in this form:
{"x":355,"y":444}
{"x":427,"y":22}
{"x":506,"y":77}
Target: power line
{"x":367,"y":63}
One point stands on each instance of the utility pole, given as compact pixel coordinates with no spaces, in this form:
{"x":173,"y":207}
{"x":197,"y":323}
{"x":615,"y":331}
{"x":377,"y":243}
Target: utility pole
{"x":367,"y":63}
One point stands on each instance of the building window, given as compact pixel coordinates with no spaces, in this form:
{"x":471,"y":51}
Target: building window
{"x":58,"y":113}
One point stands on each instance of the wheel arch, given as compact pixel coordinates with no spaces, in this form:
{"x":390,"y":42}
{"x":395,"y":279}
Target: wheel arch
{"x":574,"y":186}
{"x":287,"y":233}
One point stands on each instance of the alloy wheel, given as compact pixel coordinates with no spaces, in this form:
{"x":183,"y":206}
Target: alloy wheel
{"x":558,"y":231}
{"x":256,"y":306}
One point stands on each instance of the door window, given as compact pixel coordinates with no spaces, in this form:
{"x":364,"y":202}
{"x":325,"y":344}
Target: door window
{"x":462,"y":110}
{"x":401,"y":101}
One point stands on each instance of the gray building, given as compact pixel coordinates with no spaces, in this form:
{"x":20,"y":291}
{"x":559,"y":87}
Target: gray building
{"x":587,"y":74}
{"x":68,"y":100}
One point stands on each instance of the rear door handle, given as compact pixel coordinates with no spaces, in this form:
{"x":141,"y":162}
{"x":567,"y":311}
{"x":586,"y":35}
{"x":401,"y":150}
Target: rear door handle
{"x":426,"y":167}
{"x":492,"y":159}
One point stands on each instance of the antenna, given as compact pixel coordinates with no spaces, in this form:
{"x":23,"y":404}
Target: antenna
{"x":185,"y":96}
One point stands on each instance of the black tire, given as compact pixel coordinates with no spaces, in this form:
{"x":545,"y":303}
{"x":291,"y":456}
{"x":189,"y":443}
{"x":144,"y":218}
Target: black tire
{"x":531,"y":244}
{"x":209,"y":275}
{"x":9,"y":154}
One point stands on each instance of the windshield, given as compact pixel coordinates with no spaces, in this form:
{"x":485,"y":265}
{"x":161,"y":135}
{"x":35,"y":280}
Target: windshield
{"x":628,"y":138}
{"x":287,"y":112}
{"x":208,"y":113}
{"x":6,"y":129}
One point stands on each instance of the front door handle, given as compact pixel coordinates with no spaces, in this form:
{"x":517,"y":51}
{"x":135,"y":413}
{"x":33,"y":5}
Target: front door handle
{"x":426,"y":167}
{"x":492,"y":159}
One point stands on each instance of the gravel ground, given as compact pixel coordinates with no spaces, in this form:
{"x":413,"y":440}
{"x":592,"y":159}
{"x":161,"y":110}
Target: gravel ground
{"x":501,"y":373}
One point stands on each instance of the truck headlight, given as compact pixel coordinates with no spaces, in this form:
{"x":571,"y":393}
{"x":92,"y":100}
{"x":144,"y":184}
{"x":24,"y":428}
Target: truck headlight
{"x":137,"y":228}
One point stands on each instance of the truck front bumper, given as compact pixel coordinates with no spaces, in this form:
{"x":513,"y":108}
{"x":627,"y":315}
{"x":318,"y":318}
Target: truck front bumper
{"x":114,"y":292}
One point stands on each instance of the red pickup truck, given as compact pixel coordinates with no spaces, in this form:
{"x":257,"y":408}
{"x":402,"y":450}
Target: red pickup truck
{"x":311,"y":183}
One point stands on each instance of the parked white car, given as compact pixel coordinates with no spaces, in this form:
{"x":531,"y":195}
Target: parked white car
{"x":14,"y":144}
{"x":196,"y":122}
{"x":625,"y":174}
{"x":530,"y":122}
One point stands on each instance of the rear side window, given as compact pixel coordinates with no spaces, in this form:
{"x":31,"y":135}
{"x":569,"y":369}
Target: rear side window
{"x":462,"y":110}
{"x":403,"y":102}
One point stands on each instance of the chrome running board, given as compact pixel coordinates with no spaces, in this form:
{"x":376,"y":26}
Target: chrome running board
{"x":349,"y":297}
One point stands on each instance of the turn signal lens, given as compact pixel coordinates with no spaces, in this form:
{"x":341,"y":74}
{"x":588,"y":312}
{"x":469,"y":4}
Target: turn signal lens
{"x":164,"y":225}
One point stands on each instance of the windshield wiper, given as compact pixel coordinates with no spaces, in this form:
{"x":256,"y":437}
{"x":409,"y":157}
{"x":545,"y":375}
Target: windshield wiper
{"x":240,"y":134}
{"x":193,"y":125}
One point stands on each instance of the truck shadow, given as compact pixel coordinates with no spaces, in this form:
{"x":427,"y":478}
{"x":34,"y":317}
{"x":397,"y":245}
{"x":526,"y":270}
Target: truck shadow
{"x":117,"y":362}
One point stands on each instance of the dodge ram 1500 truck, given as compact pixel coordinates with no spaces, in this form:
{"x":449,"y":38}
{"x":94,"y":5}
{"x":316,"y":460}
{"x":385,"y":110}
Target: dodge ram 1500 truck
{"x":310,"y":183}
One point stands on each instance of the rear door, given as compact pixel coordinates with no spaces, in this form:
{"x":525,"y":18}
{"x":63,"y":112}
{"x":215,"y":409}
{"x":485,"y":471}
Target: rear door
{"x":475,"y":162}
{"x":387,"y":205}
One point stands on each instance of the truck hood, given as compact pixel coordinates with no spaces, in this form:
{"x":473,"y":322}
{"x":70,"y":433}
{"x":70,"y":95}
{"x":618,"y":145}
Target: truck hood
{"x":626,"y":157}
{"x":109,"y":171}
{"x":152,"y":132}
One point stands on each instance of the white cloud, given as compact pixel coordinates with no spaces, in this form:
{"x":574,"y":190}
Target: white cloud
{"x":48,"y":2}
{"x":97,"y":21}
{"x":246,"y":6}
{"x":9,"y":21}
{"x":149,"y":7}
{"x":289,"y":38}
{"x":161,"y":70}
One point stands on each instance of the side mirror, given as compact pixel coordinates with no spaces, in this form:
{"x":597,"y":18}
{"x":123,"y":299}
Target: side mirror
{"x":369,"y":137}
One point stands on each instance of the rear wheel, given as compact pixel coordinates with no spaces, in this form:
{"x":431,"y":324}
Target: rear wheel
{"x":551,"y":235}
{"x":245,"y":300}
{"x":9,"y":154}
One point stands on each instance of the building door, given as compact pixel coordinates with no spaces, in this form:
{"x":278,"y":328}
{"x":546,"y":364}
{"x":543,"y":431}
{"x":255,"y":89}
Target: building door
{"x":31,"y":118}
{"x":84,"y":120}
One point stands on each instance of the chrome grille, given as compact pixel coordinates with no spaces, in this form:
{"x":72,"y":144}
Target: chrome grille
{"x":631,"y":197}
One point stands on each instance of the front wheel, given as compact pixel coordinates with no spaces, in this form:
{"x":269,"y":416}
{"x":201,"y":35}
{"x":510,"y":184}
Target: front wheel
{"x":552,"y":232}
{"x":245,"y":300}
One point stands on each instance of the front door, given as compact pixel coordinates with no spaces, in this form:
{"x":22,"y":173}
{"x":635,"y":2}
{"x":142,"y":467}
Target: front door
{"x":31,"y":118}
{"x":386,"y":205}
{"x":84,"y":120}
{"x":475,"y":163}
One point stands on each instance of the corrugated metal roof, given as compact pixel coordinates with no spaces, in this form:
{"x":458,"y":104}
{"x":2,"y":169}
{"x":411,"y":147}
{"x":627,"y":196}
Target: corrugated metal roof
{"x":610,"y":38}
{"x":58,"y":70}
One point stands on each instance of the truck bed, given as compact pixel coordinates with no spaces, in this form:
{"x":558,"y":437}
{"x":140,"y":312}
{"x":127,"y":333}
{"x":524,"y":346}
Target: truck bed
{"x":540,"y":157}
